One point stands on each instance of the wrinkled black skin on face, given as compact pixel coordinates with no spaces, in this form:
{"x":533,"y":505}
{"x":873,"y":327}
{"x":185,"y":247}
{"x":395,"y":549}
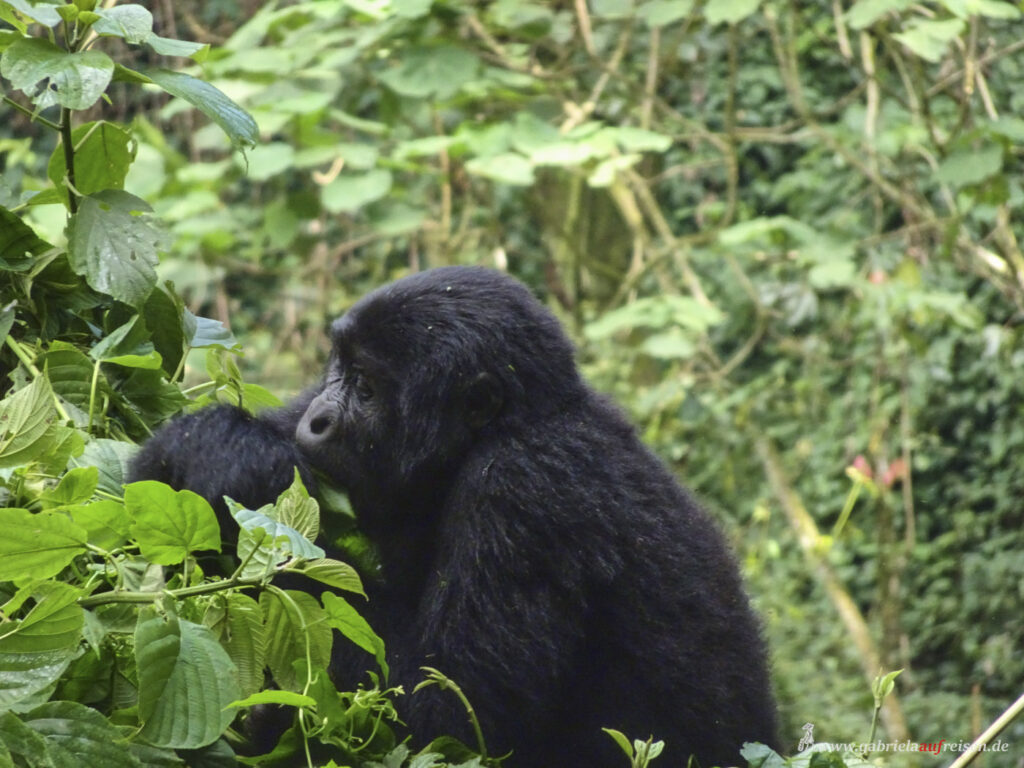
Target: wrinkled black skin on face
{"x":532,"y":548}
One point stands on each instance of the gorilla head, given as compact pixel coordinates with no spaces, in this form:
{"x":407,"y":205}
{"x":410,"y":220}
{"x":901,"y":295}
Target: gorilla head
{"x":423,"y":369}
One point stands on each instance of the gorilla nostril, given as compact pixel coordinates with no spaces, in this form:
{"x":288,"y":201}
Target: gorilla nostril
{"x":319,"y":424}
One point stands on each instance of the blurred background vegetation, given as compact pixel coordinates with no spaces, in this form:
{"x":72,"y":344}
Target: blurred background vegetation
{"x":784,"y":235}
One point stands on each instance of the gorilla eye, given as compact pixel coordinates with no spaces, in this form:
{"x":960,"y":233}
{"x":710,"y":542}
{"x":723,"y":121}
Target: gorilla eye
{"x":361,"y":386}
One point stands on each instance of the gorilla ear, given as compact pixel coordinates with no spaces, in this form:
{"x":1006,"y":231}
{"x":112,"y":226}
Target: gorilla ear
{"x":483,"y":400}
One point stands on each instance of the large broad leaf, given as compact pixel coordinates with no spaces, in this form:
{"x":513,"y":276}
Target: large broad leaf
{"x":350,"y":192}
{"x":335,"y":574}
{"x":79,"y":735}
{"x":207,"y":333}
{"x":73,"y":80}
{"x":103,"y":153}
{"x":233,"y":120}
{"x":432,"y":72}
{"x":114,"y":249}
{"x":237,"y":622}
{"x":294,"y":620}
{"x":111,"y":457}
{"x":169,"y":524}
{"x":131,"y":22}
{"x":27,"y":674}
{"x":37,"y":545}
{"x":44,"y":13}
{"x":264,"y":543}
{"x":297,"y":510}
{"x":26,"y":424}
{"x":54,"y":623}
{"x":186,"y":680}
{"x":107,"y":523}
{"x":346,"y":619}
{"x":22,"y":742}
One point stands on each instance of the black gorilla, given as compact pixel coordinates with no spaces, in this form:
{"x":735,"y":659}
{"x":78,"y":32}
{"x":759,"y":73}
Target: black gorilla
{"x":532,"y":548}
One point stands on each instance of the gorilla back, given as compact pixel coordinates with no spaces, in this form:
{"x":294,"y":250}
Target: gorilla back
{"x":532,"y":548}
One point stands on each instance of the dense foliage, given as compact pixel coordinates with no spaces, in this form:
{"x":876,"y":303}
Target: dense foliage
{"x":785,"y":234}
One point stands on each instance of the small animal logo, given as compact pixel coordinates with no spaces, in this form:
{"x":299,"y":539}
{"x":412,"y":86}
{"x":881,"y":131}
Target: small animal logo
{"x":808,"y":739}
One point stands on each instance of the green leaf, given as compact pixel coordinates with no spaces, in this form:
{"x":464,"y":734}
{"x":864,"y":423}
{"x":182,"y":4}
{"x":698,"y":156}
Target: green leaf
{"x":507,"y":168}
{"x":432,"y":72}
{"x":672,"y":344}
{"x":132,"y":22}
{"x":993,"y":9}
{"x":111,"y":457}
{"x":54,"y":623}
{"x":639,"y":140}
{"x":24,"y":675}
{"x":334,"y":573}
{"x":346,"y":619}
{"x":267,"y":160}
{"x":79,"y":735}
{"x":21,"y":741}
{"x":607,"y":171}
{"x":657,"y":313}
{"x":45,"y":13}
{"x":264,"y":543}
{"x":293,"y":619}
{"x":661,"y":13}
{"x":287,"y":698}
{"x":163,"y":314}
{"x":169,"y":524}
{"x":237,"y":622}
{"x":115,"y":250}
{"x":129,"y":346}
{"x":103,"y":154}
{"x":348,"y":193}
{"x":107,"y":523}
{"x":206,"y":333}
{"x":930,"y":39}
{"x":730,"y":11}
{"x":967,"y":167}
{"x":297,"y":510}
{"x":837,"y":273}
{"x":26,"y":421}
{"x":77,"y":486}
{"x":620,"y":738}
{"x":37,"y":545}
{"x":73,"y":80}
{"x":233,"y":120}
{"x":864,"y":13}
{"x":183,"y":48}
{"x":18,"y":242}
{"x":186,"y":681}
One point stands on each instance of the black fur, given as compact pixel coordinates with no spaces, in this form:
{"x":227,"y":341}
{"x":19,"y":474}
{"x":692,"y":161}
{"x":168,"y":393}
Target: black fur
{"x":532,"y":548}
{"x":222,"y":451}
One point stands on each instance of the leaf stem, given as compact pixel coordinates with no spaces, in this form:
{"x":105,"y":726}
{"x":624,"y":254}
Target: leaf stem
{"x":69,"y":157}
{"x":108,"y":598}
{"x":37,"y":118}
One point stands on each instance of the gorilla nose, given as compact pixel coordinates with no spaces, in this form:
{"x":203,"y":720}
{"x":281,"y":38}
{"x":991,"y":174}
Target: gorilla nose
{"x":318,"y":423}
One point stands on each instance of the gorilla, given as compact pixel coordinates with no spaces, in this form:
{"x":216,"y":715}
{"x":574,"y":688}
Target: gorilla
{"x":531,"y":548}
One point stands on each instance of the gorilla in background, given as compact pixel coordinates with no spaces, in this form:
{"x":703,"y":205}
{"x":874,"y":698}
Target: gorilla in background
{"x":531,"y":547}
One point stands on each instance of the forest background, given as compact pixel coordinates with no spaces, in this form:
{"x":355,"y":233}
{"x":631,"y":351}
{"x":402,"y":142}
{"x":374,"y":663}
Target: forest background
{"x":785,"y":237}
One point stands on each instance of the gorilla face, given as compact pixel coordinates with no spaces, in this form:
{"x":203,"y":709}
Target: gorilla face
{"x":419,"y":371}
